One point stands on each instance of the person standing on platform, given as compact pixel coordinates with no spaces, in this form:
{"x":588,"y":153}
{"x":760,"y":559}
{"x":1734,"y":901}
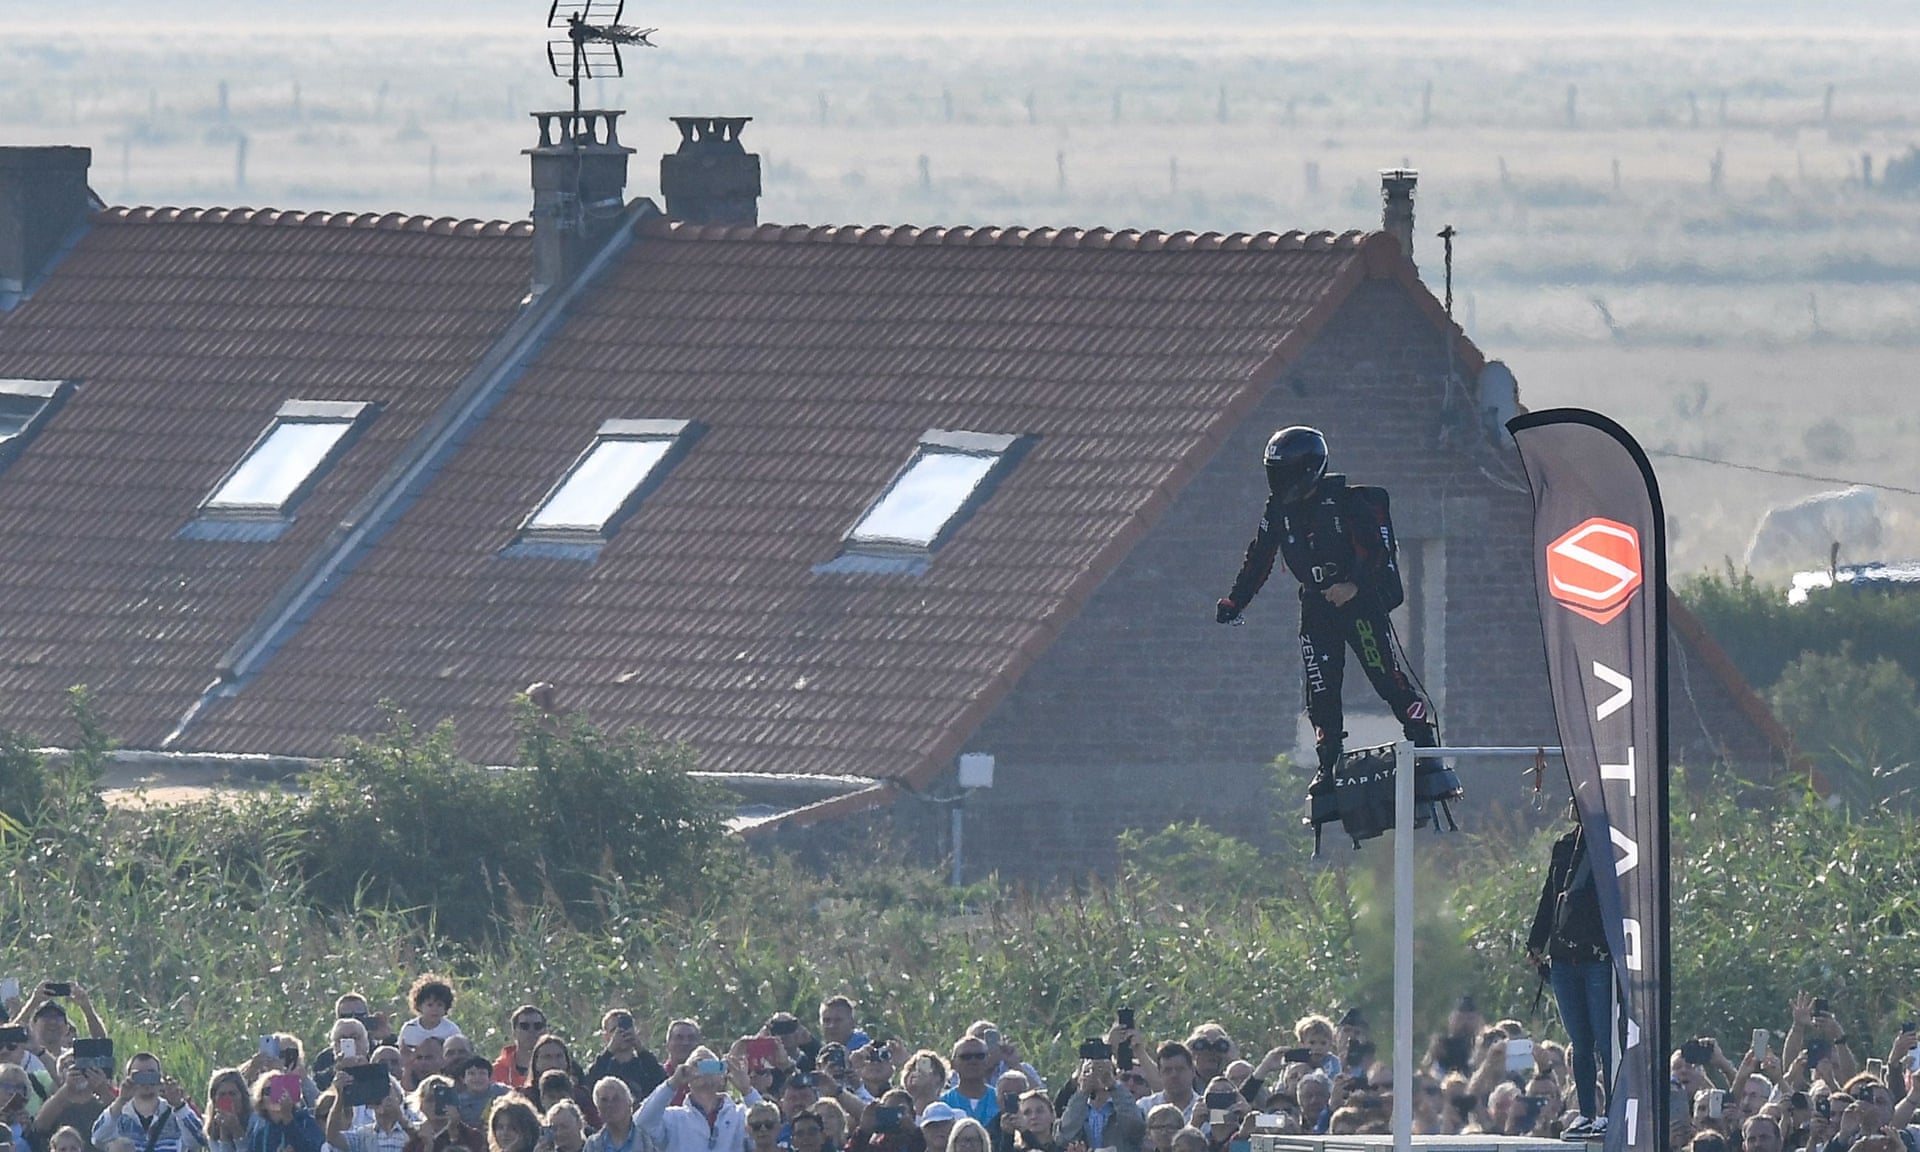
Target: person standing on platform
{"x":1569,"y":942}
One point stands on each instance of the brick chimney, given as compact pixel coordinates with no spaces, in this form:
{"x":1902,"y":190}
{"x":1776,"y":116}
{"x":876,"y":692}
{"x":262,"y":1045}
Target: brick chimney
{"x":43,"y":199}
{"x":1396,"y":213}
{"x":712,"y":178}
{"x":579,"y":191}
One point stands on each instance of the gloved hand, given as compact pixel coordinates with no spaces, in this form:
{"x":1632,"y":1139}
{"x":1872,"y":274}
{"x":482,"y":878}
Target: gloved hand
{"x":1225,"y":611}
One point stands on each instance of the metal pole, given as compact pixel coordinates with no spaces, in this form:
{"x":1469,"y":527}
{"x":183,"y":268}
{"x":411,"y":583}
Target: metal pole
{"x":1403,"y":947}
{"x":1502,"y":750}
{"x":958,"y":821}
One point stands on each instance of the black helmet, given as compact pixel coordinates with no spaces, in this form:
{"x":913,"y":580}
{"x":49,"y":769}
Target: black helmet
{"x":1296,"y":459}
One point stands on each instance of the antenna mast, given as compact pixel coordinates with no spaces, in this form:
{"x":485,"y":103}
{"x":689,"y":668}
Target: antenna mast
{"x":592,"y":46}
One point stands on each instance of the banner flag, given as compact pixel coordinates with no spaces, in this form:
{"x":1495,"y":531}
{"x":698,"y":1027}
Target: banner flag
{"x":1600,"y":556}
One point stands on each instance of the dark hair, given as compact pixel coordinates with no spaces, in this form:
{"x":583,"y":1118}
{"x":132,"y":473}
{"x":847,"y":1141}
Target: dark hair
{"x":430,"y":987}
{"x":1171,"y":1049}
{"x":553,"y":1087}
{"x":49,"y":1008}
{"x":519,"y":1114}
{"x":474,"y":1061}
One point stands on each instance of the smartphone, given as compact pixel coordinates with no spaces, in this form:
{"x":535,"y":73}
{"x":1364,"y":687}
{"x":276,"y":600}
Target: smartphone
{"x":10,"y":988}
{"x":1909,"y":1026}
{"x":89,"y":1053}
{"x":1531,"y":1107}
{"x":59,"y":988}
{"x":270,"y":1047}
{"x":1877,"y":1068}
{"x":1716,"y":1103}
{"x":887,"y":1118}
{"x":446,"y":1095}
{"x":708,"y":1068}
{"x":785,"y":1027}
{"x":1219,"y":1102}
{"x":1094,"y":1048}
{"x":760,"y":1050}
{"x":1818,"y":1052}
{"x":224,"y":1104}
{"x":146,"y":1077}
{"x":1913,"y":1061}
{"x":1761,"y":1040}
{"x":1823,"y":1107}
{"x":1123,"y":1017}
{"x":1519,"y":1056}
{"x":1821,"y":1007}
{"x":348,"y":1046}
{"x":623,"y":1023}
{"x":1298,"y":1055}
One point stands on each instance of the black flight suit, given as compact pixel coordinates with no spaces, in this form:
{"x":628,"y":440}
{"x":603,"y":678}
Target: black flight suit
{"x":1332,"y":538}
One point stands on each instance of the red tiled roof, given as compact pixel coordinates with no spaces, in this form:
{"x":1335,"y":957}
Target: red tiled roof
{"x":815,"y":358}
{"x":187,"y":329}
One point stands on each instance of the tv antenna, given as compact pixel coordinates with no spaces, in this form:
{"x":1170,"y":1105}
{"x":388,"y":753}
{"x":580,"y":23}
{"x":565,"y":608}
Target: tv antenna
{"x":592,"y":47}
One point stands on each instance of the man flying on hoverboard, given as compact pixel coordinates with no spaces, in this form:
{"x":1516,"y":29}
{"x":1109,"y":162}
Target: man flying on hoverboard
{"x":1337,"y":540}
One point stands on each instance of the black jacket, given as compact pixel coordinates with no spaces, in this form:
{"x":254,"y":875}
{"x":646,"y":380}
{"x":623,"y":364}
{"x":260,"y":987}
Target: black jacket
{"x":1333,"y":537}
{"x":1581,"y":935}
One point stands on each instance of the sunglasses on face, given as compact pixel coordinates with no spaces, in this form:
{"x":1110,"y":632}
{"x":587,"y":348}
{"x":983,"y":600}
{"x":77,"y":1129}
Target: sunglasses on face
{"x":1220,"y":1046}
{"x":763,"y":1125}
{"x":972,"y":1056}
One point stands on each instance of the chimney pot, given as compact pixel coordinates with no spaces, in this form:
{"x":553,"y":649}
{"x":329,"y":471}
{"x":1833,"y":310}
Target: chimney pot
{"x":43,"y":200}
{"x":711,"y":178}
{"x":579,"y":189}
{"x":1396,"y":213}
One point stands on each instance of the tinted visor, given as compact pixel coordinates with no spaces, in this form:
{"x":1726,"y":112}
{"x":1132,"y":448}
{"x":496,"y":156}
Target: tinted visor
{"x":1292,"y":480}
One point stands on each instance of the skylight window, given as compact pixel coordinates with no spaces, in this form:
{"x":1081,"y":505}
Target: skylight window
{"x":606,"y":481}
{"x":24,"y":407}
{"x":305,"y":436}
{"x":943,"y":480}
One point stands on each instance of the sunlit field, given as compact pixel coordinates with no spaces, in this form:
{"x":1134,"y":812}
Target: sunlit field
{"x":1707,"y":225}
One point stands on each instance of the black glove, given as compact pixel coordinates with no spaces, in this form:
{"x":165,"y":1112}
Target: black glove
{"x":1225,"y":611}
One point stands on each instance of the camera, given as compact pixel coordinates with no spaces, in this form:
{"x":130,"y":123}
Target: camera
{"x":623,"y":1022}
{"x":1095,"y":1048}
{"x":877,"y":1051}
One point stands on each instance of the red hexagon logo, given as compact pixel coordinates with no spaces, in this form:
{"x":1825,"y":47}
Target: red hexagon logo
{"x":1595,"y":569}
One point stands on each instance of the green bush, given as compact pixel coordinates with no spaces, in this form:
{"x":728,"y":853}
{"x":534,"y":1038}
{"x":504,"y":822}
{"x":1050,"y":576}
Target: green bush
{"x":1762,"y":633}
{"x":1860,"y":721}
{"x":402,"y":822}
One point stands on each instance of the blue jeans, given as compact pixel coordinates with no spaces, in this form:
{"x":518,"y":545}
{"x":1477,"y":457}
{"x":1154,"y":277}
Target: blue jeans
{"x":1584,"y":992}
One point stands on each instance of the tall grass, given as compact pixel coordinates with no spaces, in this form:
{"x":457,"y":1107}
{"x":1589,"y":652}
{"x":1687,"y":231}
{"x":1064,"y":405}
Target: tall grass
{"x":193,"y":958}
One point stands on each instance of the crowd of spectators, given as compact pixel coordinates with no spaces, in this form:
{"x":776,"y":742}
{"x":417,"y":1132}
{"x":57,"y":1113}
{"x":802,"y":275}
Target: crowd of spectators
{"x":828,"y":1085}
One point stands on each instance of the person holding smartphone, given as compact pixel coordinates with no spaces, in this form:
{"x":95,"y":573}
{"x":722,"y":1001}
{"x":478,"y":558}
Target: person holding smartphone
{"x":623,"y":1055}
{"x":47,"y":1025}
{"x":1101,"y":1112}
{"x":709,"y":1119}
{"x":152,"y":1111}
{"x":229,"y":1110}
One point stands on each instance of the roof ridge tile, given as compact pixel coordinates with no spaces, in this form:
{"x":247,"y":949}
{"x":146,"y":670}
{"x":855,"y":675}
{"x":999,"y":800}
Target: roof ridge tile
{"x":290,"y":217}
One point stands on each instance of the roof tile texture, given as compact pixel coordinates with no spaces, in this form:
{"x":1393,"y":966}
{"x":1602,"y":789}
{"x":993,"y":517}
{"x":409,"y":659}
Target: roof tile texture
{"x":815,"y":359}
{"x":186,"y":330}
